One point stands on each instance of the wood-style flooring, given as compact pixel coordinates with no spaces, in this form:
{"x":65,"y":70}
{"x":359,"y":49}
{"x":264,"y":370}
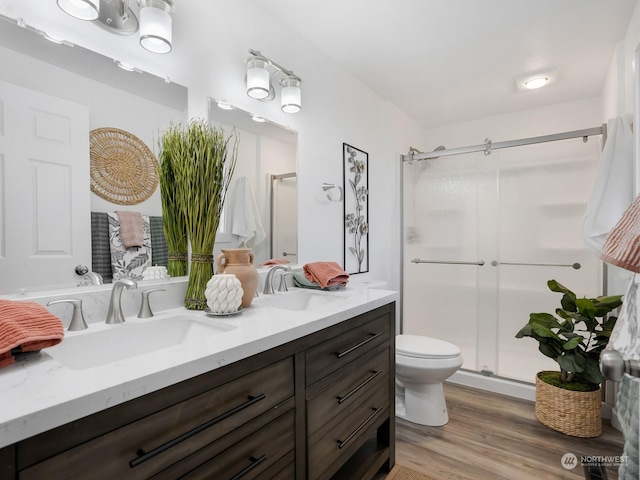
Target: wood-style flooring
{"x":495,"y":437}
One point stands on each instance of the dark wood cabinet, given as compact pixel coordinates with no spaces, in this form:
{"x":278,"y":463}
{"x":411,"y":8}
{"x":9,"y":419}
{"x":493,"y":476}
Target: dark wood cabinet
{"x":319,"y":407}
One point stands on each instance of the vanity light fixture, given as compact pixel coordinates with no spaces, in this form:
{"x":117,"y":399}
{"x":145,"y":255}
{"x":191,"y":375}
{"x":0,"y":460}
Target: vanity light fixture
{"x":115,"y":16}
{"x":155,"y":25}
{"x":81,"y":9}
{"x":260,"y":73}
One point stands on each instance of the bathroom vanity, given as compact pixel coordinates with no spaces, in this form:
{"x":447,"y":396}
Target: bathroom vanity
{"x":298,"y":386}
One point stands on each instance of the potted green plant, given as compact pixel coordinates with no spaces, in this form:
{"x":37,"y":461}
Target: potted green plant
{"x":569,"y":400}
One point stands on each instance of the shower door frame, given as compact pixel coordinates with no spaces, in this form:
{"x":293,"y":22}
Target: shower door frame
{"x":487,"y":148}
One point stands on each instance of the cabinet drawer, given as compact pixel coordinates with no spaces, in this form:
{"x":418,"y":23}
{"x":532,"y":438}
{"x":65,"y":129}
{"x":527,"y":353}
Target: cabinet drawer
{"x":151,"y":444}
{"x":334,"y":353}
{"x":340,"y":438}
{"x":252,"y":456}
{"x":350,"y":389}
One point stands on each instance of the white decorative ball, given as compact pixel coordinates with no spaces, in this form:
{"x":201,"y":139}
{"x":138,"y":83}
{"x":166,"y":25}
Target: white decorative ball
{"x":224,"y":293}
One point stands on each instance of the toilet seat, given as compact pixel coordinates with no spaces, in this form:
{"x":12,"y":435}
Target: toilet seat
{"x":417,"y":346}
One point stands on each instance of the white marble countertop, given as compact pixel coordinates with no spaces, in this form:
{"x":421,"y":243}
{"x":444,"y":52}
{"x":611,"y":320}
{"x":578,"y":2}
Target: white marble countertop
{"x":39,"y":393}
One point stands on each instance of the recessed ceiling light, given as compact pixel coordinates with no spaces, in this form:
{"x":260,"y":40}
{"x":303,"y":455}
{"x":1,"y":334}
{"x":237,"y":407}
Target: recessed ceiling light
{"x":258,"y":119}
{"x":536,"y":82}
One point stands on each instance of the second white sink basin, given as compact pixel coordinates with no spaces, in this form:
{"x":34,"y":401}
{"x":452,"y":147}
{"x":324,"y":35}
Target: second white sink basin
{"x":110,"y":343}
{"x":299,"y":299}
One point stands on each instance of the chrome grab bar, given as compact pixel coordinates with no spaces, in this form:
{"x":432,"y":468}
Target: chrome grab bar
{"x":448,"y":262}
{"x":575,"y":266}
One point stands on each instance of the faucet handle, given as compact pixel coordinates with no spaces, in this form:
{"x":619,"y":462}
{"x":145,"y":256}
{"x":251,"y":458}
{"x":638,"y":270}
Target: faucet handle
{"x":283,"y":282}
{"x":145,"y":307}
{"x":77,"y":319}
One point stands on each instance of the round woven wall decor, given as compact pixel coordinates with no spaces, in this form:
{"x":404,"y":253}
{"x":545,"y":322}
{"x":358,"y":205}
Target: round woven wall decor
{"x":123,"y":168}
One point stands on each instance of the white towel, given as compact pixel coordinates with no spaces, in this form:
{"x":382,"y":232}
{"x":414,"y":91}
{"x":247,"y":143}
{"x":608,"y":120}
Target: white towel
{"x":613,"y":188}
{"x":244,"y":214}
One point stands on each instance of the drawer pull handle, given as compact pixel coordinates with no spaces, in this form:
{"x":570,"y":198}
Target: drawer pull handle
{"x":144,"y":456}
{"x":364,"y":342}
{"x":254,"y":463}
{"x":343,"y":443}
{"x":345,"y":397}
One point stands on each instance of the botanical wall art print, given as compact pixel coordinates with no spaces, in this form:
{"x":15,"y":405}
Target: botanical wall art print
{"x":356,"y":209}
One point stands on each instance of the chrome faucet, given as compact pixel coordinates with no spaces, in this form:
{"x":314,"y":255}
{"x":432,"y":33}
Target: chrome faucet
{"x":88,"y":277}
{"x":77,"y":319}
{"x":268,"y":282}
{"x":115,"y":315}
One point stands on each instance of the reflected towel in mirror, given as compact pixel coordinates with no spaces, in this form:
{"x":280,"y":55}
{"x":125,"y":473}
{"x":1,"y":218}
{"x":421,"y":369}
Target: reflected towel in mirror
{"x":131,"y":228}
{"x":245,"y":223}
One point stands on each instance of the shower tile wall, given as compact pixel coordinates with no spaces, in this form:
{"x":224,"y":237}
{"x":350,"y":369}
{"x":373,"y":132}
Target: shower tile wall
{"x":521,"y":205}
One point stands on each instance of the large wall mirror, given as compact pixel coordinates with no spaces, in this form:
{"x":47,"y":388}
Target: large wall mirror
{"x":264,"y":182}
{"x":96,"y":93}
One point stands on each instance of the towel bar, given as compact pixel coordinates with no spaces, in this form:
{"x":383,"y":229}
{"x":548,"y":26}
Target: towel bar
{"x":575,"y":266}
{"x":448,"y":262}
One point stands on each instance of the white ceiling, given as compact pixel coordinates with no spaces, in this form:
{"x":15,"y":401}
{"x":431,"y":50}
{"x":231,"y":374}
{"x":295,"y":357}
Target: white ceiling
{"x":446,"y":61}
{"x":439,"y":61}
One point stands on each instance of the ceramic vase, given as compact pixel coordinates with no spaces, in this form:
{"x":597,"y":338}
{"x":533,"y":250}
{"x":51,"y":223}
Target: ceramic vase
{"x":224,"y":293}
{"x":239,"y":261}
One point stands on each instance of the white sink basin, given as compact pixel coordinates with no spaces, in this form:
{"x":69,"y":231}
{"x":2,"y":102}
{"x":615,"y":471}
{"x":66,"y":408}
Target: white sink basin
{"x":110,"y":343}
{"x":299,"y":299}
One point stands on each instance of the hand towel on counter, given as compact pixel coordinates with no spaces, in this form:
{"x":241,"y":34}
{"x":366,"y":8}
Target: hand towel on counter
{"x":613,"y":188}
{"x":244,"y":215}
{"x":325,"y":274}
{"x":26,"y":327}
{"x":131,"y":229}
{"x":301,"y":281}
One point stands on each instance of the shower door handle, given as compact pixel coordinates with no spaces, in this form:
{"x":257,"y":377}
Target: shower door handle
{"x":613,"y":366}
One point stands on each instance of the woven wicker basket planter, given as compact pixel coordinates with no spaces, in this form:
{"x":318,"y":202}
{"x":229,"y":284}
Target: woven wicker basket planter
{"x":572,"y":413}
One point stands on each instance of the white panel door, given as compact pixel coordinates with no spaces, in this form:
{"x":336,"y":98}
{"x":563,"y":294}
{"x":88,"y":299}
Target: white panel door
{"x":45,"y":203}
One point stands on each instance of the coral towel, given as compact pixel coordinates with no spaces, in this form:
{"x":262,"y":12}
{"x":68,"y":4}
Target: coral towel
{"x":325,"y":274}
{"x":622,"y":246}
{"x":26,"y":325}
{"x":131,"y":229}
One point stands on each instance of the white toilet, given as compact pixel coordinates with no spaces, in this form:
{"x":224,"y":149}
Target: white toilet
{"x":422,"y":364}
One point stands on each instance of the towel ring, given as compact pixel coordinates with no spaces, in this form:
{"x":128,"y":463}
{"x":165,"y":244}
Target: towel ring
{"x":330,"y":186}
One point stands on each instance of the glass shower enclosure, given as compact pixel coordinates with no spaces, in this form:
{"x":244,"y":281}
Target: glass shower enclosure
{"x":482,"y":235}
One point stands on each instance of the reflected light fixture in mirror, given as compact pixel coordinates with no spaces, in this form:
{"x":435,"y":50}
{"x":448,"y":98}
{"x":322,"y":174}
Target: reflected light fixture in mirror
{"x":81,"y":9}
{"x":224,"y":105}
{"x":258,"y":81}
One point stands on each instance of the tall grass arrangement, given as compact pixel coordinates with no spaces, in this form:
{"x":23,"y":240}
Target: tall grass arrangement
{"x":202,"y":161}
{"x":173,"y":221}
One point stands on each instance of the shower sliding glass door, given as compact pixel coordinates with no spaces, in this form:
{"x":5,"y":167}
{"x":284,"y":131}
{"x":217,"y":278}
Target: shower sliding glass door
{"x":482,"y":235}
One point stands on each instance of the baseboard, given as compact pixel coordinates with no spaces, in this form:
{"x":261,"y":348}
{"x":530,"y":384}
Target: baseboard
{"x":512,"y":388}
